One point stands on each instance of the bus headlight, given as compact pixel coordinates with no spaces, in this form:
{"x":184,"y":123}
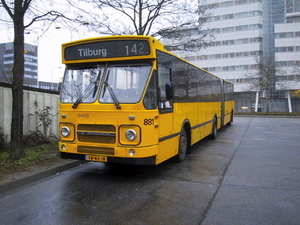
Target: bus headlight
{"x":65,"y":131}
{"x":130,"y":135}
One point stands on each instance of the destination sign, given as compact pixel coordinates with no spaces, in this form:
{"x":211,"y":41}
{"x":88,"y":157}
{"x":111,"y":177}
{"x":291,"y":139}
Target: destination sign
{"x":107,"y":49}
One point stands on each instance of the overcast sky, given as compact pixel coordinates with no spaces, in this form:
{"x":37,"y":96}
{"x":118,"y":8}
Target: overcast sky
{"x":49,"y":51}
{"x":49,"y":44}
{"x":49,"y":48}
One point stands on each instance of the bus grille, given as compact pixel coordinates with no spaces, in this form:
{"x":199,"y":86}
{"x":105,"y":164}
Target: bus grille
{"x":95,"y":127}
{"x":96,"y":150}
{"x":94,"y":133}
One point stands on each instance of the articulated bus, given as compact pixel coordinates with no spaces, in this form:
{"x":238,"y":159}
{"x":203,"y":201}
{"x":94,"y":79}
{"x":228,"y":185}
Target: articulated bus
{"x":125,"y":99}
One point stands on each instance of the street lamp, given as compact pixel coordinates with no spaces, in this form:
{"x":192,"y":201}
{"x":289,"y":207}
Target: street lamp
{"x":37,"y":37}
{"x":72,"y":29}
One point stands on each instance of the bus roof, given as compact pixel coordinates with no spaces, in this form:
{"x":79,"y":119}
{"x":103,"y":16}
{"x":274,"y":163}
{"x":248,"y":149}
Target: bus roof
{"x":114,"y":48}
{"x":115,"y":37}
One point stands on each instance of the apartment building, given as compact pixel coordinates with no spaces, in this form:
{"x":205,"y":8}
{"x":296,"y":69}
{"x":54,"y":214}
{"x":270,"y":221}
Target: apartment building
{"x":243,"y":30}
{"x":287,"y":52}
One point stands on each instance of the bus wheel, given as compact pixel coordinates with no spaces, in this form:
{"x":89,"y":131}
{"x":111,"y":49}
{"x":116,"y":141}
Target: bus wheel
{"x":231,"y":119}
{"x":183,"y":146}
{"x":214,"y":131}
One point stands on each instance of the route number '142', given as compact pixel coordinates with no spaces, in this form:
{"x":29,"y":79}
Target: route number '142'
{"x":135,"y":49}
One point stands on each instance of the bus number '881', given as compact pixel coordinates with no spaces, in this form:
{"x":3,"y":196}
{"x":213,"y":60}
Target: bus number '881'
{"x":148,"y":122}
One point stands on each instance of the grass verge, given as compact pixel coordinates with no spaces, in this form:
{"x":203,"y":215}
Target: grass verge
{"x":34,"y":155}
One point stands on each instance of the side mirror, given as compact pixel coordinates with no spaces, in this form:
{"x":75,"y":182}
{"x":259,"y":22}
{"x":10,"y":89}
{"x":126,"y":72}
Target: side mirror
{"x":169,"y":90}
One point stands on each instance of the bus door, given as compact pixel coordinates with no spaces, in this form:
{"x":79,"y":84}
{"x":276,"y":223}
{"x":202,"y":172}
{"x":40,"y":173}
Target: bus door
{"x":165,"y":102}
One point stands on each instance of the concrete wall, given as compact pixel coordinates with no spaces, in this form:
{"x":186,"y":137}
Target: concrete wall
{"x":33,"y":101}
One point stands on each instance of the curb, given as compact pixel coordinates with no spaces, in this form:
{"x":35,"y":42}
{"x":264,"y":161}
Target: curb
{"x":267,"y":116}
{"x":38,"y":176}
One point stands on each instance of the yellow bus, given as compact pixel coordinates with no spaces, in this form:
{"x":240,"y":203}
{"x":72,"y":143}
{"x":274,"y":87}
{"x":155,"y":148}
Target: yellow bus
{"x":125,"y":99}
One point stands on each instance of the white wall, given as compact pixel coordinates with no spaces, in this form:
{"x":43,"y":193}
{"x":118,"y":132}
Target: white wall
{"x":33,"y":101}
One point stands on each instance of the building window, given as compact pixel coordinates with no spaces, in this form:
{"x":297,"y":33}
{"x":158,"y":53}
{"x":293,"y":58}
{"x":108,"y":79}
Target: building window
{"x":8,"y":62}
{"x":292,"y":6}
{"x":287,"y":35}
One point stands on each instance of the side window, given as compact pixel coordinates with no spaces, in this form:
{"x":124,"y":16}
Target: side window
{"x":150,"y":100}
{"x":164,"y":77}
{"x":166,"y":90}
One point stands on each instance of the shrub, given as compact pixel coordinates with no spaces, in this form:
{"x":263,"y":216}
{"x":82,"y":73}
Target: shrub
{"x":3,"y":141}
{"x":35,"y":138}
{"x":45,"y":118}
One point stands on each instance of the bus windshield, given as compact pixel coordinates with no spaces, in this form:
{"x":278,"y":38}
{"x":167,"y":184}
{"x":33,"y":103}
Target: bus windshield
{"x":81,"y":84}
{"x":124,"y":83}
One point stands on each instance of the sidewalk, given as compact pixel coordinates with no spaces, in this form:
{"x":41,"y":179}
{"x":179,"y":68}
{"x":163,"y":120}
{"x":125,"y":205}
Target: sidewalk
{"x":22,"y":176}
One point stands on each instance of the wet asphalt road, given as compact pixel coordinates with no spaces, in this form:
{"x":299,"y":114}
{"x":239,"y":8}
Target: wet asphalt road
{"x":250,"y":174}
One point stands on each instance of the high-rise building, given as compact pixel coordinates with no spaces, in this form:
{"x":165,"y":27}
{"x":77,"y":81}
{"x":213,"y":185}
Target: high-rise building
{"x":287,"y":50}
{"x":244,"y":30}
{"x":30,"y":65}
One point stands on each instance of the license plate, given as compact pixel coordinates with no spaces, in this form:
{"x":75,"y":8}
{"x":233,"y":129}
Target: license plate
{"x":96,"y":158}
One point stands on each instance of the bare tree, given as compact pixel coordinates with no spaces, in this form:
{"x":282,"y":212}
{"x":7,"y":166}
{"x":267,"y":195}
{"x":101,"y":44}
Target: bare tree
{"x":289,"y":79}
{"x":22,"y":14}
{"x":265,"y":76}
{"x":158,"y":18}
{"x":296,"y":72}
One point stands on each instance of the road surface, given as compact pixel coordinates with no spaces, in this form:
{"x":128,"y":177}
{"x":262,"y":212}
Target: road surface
{"x":250,"y":174}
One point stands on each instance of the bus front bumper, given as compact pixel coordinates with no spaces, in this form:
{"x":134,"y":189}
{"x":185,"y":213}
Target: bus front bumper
{"x":110,"y":159}
{"x":142,"y":156}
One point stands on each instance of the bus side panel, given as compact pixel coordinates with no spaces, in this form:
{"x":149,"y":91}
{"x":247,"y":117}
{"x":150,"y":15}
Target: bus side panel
{"x":167,"y":146}
{"x":229,"y":101}
{"x":202,"y":118}
{"x":180,"y":115}
{"x":192,"y":115}
{"x":167,"y":149}
{"x":218,"y":112}
{"x":209,"y":117}
{"x":229,"y":106}
{"x":165,"y":125}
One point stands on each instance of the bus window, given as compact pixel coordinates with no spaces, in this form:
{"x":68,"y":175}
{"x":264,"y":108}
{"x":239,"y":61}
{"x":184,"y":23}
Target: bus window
{"x":150,"y":100}
{"x":81,"y":84}
{"x":164,"y":77}
{"x":126,"y":83}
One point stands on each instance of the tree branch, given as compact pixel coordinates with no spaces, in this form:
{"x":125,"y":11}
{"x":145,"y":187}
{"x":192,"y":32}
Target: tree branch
{"x":8,"y":9}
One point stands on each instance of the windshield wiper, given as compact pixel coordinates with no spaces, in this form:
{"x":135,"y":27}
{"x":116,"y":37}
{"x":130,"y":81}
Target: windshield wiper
{"x":97,"y":82}
{"x":88,"y":91}
{"x":112,"y":94}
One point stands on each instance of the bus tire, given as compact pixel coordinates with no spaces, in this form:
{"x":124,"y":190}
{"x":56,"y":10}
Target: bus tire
{"x":214,"y":131}
{"x":183,"y":146}
{"x":231,"y":119}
